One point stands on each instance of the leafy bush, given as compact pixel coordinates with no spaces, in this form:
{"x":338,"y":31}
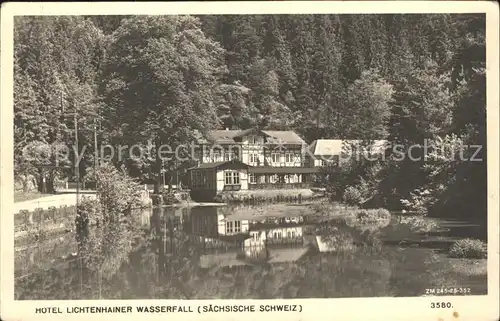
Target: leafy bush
{"x":108,"y":246}
{"x":330,"y":212}
{"x":419,"y":224}
{"x":117,"y":193}
{"x":352,"y":196}
{"x":351,"y":216}
{"x":169,"y":198}
{"x":335,"y":239}
{"x":418,"y":201}
{"x":157,"y":200}
{"x":374,"y":216}
{"x":87,"y":213}
{"x":372,"y":239}
{"x":469,"y":248}
{"x":166,"y":198}
{"x":325,"y":208}
{"x":369,"y":219}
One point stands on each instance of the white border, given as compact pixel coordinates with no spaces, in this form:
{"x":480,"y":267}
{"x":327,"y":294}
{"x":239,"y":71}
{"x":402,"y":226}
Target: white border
{"x":468,"y":307}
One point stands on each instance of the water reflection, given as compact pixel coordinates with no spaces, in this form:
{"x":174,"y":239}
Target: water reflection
{"x":236,"y":253}
{"x":227,"y":239}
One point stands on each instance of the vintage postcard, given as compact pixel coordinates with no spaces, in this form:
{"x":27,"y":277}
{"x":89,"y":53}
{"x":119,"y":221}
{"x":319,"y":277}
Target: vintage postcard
{"x":278,"y":160}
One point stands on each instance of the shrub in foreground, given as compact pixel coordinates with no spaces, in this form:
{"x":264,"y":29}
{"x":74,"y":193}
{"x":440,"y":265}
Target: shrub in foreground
{"x":419,"y":224}
{"x":335,"y":239}
{"x":352,"y":196}
{"x":372,"y":218}
{"x":469,"y":248}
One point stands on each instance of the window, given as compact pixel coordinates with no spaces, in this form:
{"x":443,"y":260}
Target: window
{"x":253,"y":140}
{"x":233,"y":227}
{"x":289,"y":158}
{"x":252,"y":179}
{"x":228,"y":156}
{"x":229,"y":227}
{"x":232,"y":177}
{"x":275,"y":157}
{"x":216,"y":156}
{"x":253,"y":158}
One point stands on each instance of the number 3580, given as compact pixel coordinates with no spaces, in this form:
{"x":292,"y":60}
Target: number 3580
{"x":441,"y":305}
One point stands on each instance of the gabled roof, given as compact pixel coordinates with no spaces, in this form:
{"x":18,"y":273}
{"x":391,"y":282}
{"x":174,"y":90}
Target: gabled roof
{"x":273,"y":136}
{"x":222,"y":136}
{"x":284,"y":136}
{"x":328,"y":147}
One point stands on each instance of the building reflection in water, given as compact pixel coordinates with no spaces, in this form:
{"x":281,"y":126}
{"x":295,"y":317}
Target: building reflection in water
{"x":225,"y":237}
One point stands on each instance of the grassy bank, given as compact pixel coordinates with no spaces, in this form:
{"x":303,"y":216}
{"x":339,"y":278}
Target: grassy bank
{"x":267,"y":196}
{"x":20,"y":196}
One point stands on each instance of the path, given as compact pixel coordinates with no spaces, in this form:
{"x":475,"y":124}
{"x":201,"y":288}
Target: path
{"x":68,"y":198}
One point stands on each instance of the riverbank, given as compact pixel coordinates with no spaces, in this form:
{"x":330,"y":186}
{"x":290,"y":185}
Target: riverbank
{"x":22,"y":197}
{"x":396,"y":269}
{"x":191,"y":204}
{"x":268,"y":195}
{"x":54,"y":200}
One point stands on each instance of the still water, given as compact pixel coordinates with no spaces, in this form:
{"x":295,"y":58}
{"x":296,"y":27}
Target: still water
{"x":242,"y":253}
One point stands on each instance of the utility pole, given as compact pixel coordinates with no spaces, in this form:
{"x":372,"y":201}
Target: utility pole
{"x":77,"y":174}
{"x":95,"y":145}
{"x":77,"y":164}
{"x":77,"y":167}
{"x":96,"y":154}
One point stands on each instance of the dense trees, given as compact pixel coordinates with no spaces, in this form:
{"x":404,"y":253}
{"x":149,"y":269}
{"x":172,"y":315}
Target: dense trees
{"x":57,"y":68}
{"x":163,"y":79}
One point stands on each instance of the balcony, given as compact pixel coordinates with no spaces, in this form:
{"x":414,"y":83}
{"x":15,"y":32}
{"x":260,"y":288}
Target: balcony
{"x":283,"y":170}
{"x":269,"y":163}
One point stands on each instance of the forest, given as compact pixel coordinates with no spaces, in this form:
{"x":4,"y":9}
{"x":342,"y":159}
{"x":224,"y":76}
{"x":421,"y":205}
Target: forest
{"x":136,"y":80}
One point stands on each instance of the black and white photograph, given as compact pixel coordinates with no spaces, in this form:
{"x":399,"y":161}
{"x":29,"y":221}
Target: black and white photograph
{"x":250,"y":156}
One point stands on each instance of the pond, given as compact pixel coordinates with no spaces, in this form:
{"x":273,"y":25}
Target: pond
{"x":245,"y":252}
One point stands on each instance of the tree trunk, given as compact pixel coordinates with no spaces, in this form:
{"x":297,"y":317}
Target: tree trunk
{"x":45,"y":183}
{"x":169,"y":177}
{"x":157,"y":185}
{"x":25,"y":182}
{"x":158,"y":167}
{"x":50,"y":186}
